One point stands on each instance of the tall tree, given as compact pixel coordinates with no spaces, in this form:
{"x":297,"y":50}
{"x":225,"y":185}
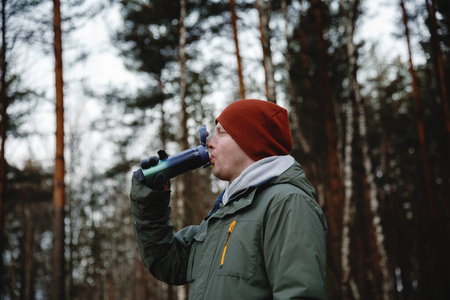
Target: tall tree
{"x":183,"y":88}
{"x":439,"y":63}
{"x":430,"y":195}
{"x":11,"y":92}
{"x":293,"y":99}
{"x":264,"y":9}
{"x":348,"y":285}
{"x":357,"y":123}
{"x":301,"y":96}
{"x":418,"y":114}
{"x":233,"y":21}
{"x":442,"y":83}
{"x":28,"y":218}
{"x":430,"y":207}
{"x":4,"y":102}
{"x":376,"y":232}
{"x":149,"y":44}
{"x":185,"y":183}
{"x":59,"y":190}
{"x":334,"y":187}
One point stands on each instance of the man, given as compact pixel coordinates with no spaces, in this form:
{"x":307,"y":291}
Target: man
{"x":264,"y":238}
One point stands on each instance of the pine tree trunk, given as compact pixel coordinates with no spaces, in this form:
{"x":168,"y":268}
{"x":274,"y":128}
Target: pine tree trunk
{"x":12,"y":282}
{"x":348,"y":19}
{"x":439,"y":64}
{"x":182,"y":61}
{"x":428,"y":206}
{"x":347,"y":217}
{"x":184,"y":144}
{"x":110,"y":283}
{"x":386,"y":277}
{"x":292,"y":99}
{"x":58,"y":181}
{"x":264,"y":9}
{"x":4,"y":102}
{"x":347,"y":169}
{"x":236,"y":43}
{"x":334,"y":188}
{"x":163,"y":128}
{"x":288,"y":65}
{"x":187,"y":202}
{"x":29,"y":254}
{"x":419,"y":118}
{"x":184,"y":212}
{"x":311,"y":158}
{"x":435,"y":275}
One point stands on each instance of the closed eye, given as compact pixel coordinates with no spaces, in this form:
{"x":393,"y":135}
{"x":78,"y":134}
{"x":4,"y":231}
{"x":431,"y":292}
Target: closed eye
{"x":221,"y":131}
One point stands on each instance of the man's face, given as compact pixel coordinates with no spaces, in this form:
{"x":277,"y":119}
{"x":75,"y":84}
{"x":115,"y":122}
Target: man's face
{"x":228,"y":159}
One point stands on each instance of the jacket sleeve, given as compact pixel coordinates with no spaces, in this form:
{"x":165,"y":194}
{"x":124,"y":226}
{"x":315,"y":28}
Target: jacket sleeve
{"x":294,"y":248}
{"x":164,"y":253}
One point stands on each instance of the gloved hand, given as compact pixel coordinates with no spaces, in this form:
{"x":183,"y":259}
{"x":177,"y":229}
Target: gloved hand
{"x":159,"y":182}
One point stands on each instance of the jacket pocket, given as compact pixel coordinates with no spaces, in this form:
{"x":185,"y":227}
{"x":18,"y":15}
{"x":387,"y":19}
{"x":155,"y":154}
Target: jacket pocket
{"x":240,"y":251}
{"x":195,"y":256}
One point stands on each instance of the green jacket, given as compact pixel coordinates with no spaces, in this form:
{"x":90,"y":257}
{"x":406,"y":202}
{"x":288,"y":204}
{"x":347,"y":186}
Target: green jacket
{"x":268,"y":242}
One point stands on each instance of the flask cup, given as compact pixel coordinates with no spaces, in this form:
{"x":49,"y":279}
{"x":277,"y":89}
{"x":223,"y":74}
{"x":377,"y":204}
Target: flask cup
{"x":182,"y":162}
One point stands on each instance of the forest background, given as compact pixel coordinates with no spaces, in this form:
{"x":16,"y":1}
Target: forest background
{"x":371,"y":127}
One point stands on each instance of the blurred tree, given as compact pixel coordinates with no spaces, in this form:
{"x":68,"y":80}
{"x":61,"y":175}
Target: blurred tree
{"x":149,"y":42}
{"x":27,"y":238}
{"x":348,"y":285}
{"x":3,"y":125}
{"x":293,"y":99}
{"x":302,"y":99}
{"x":439,"y":63}
{"x":234,"y":27}
{"x":185,"y":182}
{"x":418,"y":113}
{"x":439,"y":32}
{"x":59,"y":190}
{"x":360,"y":186}
{"x":29,"y":29}
{"x":394,"y":168}
{"x":264,"y":8}
{"x":11,"y":92}
{"x":431,"y":203}
{"x":425,"y":170}
{"x":326,"y":101}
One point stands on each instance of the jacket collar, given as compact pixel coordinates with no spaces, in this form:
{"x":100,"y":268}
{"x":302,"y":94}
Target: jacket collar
{"x":239,"y":201}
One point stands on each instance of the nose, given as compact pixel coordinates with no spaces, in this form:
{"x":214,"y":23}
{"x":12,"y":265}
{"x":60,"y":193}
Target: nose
{"x":209,"y":144}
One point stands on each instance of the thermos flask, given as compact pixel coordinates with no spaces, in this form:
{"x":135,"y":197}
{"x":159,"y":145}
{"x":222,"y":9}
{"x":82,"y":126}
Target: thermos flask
{"x":182,"y":162}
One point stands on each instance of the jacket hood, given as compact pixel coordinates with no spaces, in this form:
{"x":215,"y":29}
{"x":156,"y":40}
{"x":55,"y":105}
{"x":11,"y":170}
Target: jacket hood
{"x":296,"y":176}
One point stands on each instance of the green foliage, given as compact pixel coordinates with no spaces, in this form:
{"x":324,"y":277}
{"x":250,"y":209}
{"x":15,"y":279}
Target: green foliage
{"x":149,"y":42}
{"x":150,"y":35}
{"x":22,"y":101}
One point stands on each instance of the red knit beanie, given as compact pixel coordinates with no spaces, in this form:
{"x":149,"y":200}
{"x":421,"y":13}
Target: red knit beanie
{"x":260,"y":128}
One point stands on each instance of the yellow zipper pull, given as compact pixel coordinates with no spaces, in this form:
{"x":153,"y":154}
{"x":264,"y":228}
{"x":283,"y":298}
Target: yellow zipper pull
{"x":230,"y":230}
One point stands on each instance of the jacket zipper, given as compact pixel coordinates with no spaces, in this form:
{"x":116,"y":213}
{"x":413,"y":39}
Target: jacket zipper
{"x":230,"y":230}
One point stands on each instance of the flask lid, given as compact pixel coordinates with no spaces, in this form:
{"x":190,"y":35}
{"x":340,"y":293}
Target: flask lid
{"x":203,"y":134}
{"x":203,"y":150}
